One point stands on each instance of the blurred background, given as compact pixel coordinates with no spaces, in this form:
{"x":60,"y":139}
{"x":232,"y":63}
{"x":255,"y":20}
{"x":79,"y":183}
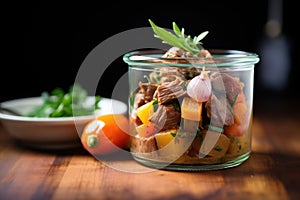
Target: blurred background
{"x":50,"y":41}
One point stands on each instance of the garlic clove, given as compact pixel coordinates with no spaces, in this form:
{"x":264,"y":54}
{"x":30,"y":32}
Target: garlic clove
{"x":200,"y":88}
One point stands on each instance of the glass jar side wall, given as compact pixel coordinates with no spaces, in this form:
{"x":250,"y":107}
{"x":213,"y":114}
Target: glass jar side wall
{"x":168,"y":148}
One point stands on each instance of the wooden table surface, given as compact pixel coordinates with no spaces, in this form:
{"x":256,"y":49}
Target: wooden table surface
{"x":271,"y":172}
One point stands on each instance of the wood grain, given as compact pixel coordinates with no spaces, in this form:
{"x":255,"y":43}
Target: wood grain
{"x":271,"y":172}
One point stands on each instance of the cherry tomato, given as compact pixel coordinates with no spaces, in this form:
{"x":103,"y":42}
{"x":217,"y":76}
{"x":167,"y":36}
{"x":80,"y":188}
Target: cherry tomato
{"x":106,"y":134}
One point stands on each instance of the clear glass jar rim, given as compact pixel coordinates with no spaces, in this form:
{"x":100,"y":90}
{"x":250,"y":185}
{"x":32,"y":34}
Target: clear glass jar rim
{"x":220,"y":58}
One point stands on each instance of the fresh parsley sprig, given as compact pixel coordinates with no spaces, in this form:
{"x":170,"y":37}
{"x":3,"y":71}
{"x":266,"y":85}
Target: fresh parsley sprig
{"x":179,"y":39}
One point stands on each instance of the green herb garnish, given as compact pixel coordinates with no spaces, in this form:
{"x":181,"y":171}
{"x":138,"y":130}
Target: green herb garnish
{"x":155,"y":102}
{"x":131,"y":99}
{"x":218,"y":148}
{"x":155,"y":105}
{"x":230,"y":109}
{"x":234,"y":100}
{"x":173,"y":134}
{"x":176,"y":106}
{"x":57,"y":103}
{"x":199,"y":133}
{"x":179,"y":39}
{"x":184,"y":86}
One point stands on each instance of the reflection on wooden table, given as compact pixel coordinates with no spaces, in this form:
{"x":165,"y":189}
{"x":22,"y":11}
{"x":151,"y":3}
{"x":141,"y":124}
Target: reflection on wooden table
{"x":271,"y":172}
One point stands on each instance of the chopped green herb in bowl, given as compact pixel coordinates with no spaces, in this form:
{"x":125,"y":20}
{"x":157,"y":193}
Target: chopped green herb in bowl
{"x":59,"y":103}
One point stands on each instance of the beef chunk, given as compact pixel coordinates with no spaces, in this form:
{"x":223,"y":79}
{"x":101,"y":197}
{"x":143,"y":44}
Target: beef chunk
{"x":168,"y":78}
{"x":171,"y":71}
{"x":232,"y":85}
{"x":205,"y":53}
{"x":170,"y":91}
{"x":219,"y":111}
{"x":143,"y":145}
{"x":148,"y":90}
{"x":195,"y":147}
{"x":167,"y":116}
{"x":139,"y":99}
{"x":166,"y":74}
{"x":190,"y":72}
{"x":174,"y":52}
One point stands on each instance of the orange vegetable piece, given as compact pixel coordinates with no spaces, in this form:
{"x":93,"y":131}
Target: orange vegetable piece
{"x":240,"y":111}
{"x":236,"y":130}
{"x":240,"y":98}
{"x":106,"y":134}
{"x":241,"y":117}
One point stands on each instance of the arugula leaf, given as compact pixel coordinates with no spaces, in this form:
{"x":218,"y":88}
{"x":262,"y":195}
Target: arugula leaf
{"x":179,"y":39}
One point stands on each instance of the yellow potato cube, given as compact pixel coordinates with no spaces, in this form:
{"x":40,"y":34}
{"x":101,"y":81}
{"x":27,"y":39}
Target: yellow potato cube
{"x":145,"y":130}
{"x":164,"y":138}
{"x":171,"y":144}
{"x":145,"y":111}
{"x":215,"y":144}
{"x":191,"y":109}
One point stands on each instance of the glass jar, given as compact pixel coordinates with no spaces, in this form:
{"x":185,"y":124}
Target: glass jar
{"x":172,"y":130}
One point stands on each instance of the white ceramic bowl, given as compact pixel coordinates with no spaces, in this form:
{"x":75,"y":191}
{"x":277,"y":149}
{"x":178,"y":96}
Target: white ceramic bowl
{"x":51,"y":133}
